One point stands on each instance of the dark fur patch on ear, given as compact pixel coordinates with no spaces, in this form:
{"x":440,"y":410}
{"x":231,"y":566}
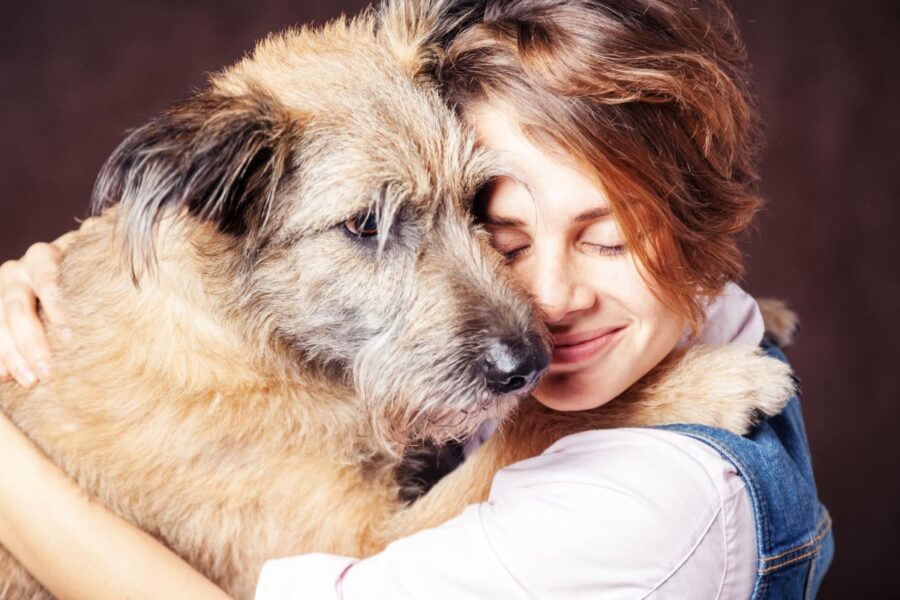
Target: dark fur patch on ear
{"x":220,"y":157}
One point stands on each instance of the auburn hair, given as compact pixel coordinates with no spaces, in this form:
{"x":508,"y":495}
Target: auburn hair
{"x":651,"y":97}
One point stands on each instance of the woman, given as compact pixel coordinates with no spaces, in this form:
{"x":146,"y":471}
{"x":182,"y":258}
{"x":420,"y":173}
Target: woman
{"x":629,"y":133}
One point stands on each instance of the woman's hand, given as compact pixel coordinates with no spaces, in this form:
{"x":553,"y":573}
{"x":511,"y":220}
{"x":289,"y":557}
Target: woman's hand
{"x":24,"y":352}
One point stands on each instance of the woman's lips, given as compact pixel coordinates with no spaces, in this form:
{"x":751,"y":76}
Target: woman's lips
{"x":574,"y":348}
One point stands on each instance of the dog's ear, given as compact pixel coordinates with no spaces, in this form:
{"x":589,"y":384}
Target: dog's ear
{"x":218,"y":157}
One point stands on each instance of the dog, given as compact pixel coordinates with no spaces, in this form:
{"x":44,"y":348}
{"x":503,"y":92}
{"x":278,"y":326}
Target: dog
{"x":284,"y":295}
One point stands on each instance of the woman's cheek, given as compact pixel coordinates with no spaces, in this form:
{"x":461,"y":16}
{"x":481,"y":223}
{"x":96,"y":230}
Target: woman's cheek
{"x":657,"y":328}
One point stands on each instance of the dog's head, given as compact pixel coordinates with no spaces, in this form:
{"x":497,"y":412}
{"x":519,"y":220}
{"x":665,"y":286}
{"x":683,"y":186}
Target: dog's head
{"x":342,"y":184}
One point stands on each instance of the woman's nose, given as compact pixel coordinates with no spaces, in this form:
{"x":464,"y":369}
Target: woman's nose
{"x":559,"y":289}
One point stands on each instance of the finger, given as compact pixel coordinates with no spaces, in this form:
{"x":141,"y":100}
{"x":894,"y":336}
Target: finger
{"x":41,"y":263}
{"x":28,"y":335}
{"x":12,"y":363}
{"x":30,"y":339}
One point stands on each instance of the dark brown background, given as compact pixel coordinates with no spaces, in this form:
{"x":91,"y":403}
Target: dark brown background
{"x":74,"y":76}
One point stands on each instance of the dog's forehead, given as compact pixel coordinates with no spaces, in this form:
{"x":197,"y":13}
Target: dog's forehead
{"x":370,"y":128}
{"x":368,"y":158}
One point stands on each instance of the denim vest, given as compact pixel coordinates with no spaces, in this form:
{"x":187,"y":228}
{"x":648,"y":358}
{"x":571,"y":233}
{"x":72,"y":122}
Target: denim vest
{"x":793,"y":529}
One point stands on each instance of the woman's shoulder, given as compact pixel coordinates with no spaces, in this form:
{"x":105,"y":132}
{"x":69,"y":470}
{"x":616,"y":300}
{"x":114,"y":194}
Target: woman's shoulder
{"x":640,"y":507}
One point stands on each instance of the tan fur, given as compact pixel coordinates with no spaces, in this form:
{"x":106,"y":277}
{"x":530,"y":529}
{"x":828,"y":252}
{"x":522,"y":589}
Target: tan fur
{"x":253,"y":395}
{"x":782,"y":323}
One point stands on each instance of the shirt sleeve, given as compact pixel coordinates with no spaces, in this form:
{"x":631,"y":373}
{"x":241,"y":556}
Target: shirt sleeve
{"x":614,"y":514}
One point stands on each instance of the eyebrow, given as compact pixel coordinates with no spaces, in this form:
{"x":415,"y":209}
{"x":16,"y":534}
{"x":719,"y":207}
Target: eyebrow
{"x":588,"y":215}
{"x":504,"y":221}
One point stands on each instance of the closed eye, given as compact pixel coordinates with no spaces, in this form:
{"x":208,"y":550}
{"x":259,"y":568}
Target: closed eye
{"x":604,"y":250}
{"x":511,"y":242}
{"x":513,"y":255}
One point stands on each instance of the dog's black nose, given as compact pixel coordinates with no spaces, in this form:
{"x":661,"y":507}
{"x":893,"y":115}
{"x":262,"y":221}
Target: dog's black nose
{"x":513,"y":366}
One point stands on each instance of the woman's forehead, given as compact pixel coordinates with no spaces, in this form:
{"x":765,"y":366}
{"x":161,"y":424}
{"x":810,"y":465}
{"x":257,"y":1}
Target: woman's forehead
{"x":511,"y":204}
{"x":543,"y":172}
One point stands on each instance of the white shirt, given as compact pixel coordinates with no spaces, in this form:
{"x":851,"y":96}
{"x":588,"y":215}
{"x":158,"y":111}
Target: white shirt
{"x":623,"y":513}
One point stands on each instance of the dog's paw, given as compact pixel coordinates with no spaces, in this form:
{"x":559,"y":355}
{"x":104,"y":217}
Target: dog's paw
{"x":782,"y":324}
{"x":734,"y":387}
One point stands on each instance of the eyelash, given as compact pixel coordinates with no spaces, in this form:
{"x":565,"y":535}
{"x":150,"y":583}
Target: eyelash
{"x":607,"y":250}
{"x":619,"y":250}
{"x":514,"y":254}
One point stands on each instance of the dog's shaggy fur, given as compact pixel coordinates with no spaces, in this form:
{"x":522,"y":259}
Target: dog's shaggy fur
{"x":244,"y":383}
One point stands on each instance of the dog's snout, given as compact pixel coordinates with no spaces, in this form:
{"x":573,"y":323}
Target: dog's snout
{"x":514,"y":366}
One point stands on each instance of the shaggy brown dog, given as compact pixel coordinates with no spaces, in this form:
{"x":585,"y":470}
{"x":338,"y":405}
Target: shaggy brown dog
{"x":303,"y":298}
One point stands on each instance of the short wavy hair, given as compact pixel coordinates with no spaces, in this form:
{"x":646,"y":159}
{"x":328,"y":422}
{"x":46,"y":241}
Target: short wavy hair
{"x":652,"y":97}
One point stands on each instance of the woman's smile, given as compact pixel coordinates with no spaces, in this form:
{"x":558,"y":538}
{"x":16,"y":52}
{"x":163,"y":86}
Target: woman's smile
{"x":572,"y":349}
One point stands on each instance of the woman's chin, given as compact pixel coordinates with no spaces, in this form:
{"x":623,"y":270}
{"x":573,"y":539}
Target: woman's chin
{"x":569,"y":392}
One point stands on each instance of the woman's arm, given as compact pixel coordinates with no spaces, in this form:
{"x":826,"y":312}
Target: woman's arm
{"x":76,"y":547}
{"x":622,"y":513}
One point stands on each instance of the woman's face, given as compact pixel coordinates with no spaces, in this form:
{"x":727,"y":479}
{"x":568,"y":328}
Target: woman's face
{"x":552,"y":222}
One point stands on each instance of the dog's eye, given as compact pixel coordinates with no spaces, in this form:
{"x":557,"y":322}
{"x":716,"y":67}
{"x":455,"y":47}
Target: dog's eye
{"x":363,"y":225}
